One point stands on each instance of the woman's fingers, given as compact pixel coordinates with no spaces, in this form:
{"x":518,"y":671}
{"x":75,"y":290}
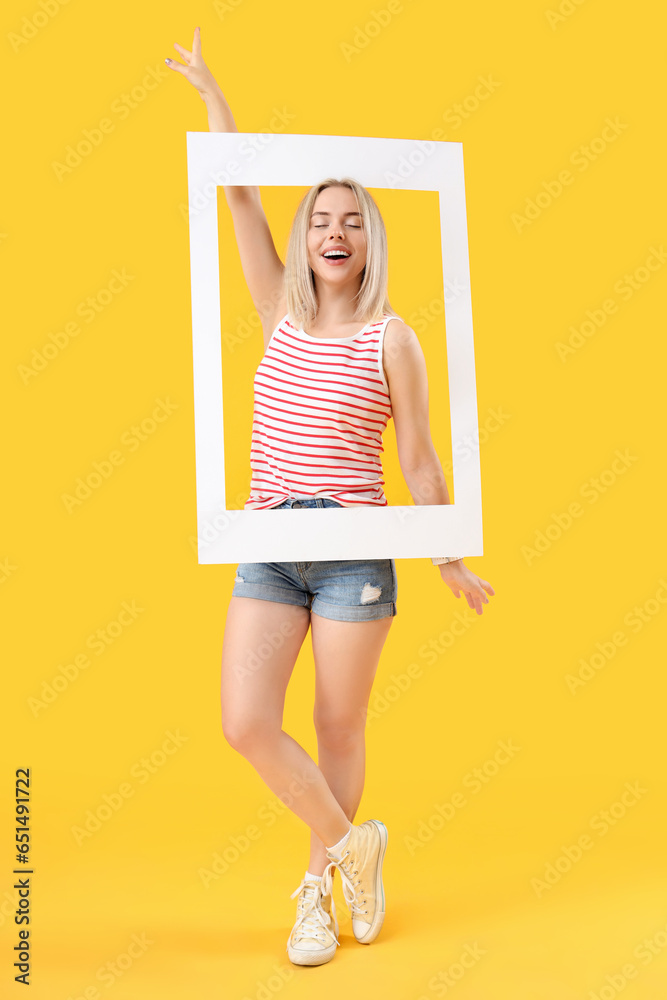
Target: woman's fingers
{"x":185,"y":53}
{"x":474,"y":602}
{"x":193,"y":56}
{"x":475,"y":597}
{"x":179,"y":67}
{"x":480,"y":600}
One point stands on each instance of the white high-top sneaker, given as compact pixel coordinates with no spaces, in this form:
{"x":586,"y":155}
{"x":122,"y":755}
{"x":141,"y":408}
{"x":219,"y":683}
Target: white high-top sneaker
{"x":360,"y":866}
{"x":314,"y":937}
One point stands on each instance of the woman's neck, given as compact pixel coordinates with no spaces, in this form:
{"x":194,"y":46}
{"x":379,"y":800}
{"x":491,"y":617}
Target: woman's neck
{"x":335,"y":307}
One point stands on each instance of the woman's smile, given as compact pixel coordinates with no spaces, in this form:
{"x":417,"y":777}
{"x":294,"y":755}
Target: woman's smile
{"x":335,"y":256}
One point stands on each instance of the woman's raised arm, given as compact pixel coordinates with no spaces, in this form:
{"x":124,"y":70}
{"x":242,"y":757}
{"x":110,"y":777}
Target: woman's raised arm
{"x":262,"y":267}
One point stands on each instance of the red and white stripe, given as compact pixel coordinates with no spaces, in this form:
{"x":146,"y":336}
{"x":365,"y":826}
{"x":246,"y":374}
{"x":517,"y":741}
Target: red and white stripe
{"x":320,"y":408}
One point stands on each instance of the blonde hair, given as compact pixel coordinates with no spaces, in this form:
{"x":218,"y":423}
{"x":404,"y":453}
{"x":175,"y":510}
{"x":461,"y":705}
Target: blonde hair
{"x":372,"y":300}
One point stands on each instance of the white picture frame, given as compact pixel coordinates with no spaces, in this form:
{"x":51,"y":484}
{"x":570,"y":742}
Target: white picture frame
{"x":215,"y":159}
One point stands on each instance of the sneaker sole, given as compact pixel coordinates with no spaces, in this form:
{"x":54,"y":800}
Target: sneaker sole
{"x":310,"y":957}
{"x":378,"y":919}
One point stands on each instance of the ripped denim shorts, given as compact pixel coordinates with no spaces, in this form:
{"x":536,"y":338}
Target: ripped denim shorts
{"x":344,"y":590}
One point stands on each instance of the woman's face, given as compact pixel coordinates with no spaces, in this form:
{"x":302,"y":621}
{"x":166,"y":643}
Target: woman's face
{"x":335,"y":224}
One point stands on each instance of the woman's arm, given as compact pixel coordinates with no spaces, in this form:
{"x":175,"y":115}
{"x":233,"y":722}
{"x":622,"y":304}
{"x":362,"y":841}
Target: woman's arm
{"x":405,"y":368}
{"x":262,"y":267}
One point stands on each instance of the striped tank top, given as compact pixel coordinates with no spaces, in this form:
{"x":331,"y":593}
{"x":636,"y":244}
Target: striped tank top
{"x":320,"y":408}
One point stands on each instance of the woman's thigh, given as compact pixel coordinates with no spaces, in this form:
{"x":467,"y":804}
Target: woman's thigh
{"x":353,"y":605}
{"x":346,"y":656}
{"x":261,"y":643}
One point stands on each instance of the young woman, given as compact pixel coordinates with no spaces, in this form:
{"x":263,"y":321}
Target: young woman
{"x":338,"y":364}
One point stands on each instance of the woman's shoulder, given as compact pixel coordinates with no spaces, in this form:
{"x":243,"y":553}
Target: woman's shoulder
{"x":400,"y":342}
{"x":397,"y":330}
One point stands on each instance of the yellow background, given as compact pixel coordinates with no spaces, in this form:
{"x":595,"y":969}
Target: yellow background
{"x":470,"y":888}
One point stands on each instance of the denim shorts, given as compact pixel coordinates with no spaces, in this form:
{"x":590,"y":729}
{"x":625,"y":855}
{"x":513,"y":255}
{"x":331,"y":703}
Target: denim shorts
{"x":344,"y":590}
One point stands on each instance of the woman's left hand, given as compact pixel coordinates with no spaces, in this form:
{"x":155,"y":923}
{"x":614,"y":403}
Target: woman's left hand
{"x":460,"y":580}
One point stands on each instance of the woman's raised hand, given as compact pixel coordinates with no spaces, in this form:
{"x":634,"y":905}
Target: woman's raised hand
{"x":195,"y":70}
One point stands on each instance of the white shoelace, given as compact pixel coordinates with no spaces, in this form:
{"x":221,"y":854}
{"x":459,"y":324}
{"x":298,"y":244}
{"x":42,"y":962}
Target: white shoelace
{"x":312,"y":920}
{"x":351,"y":890}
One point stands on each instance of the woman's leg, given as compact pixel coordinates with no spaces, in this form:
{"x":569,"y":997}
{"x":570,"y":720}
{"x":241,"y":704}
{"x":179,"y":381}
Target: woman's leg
{"x":256,"y":668}
{"x":346,"y":659}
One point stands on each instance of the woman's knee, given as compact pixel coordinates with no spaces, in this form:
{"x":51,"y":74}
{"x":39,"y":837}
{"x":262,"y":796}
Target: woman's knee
{"x":248,"y":735}
{"x":340,"y":732}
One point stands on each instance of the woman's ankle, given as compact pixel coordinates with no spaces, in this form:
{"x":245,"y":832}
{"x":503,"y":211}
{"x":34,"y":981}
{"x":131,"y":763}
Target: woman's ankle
{"x":338,"y":848}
